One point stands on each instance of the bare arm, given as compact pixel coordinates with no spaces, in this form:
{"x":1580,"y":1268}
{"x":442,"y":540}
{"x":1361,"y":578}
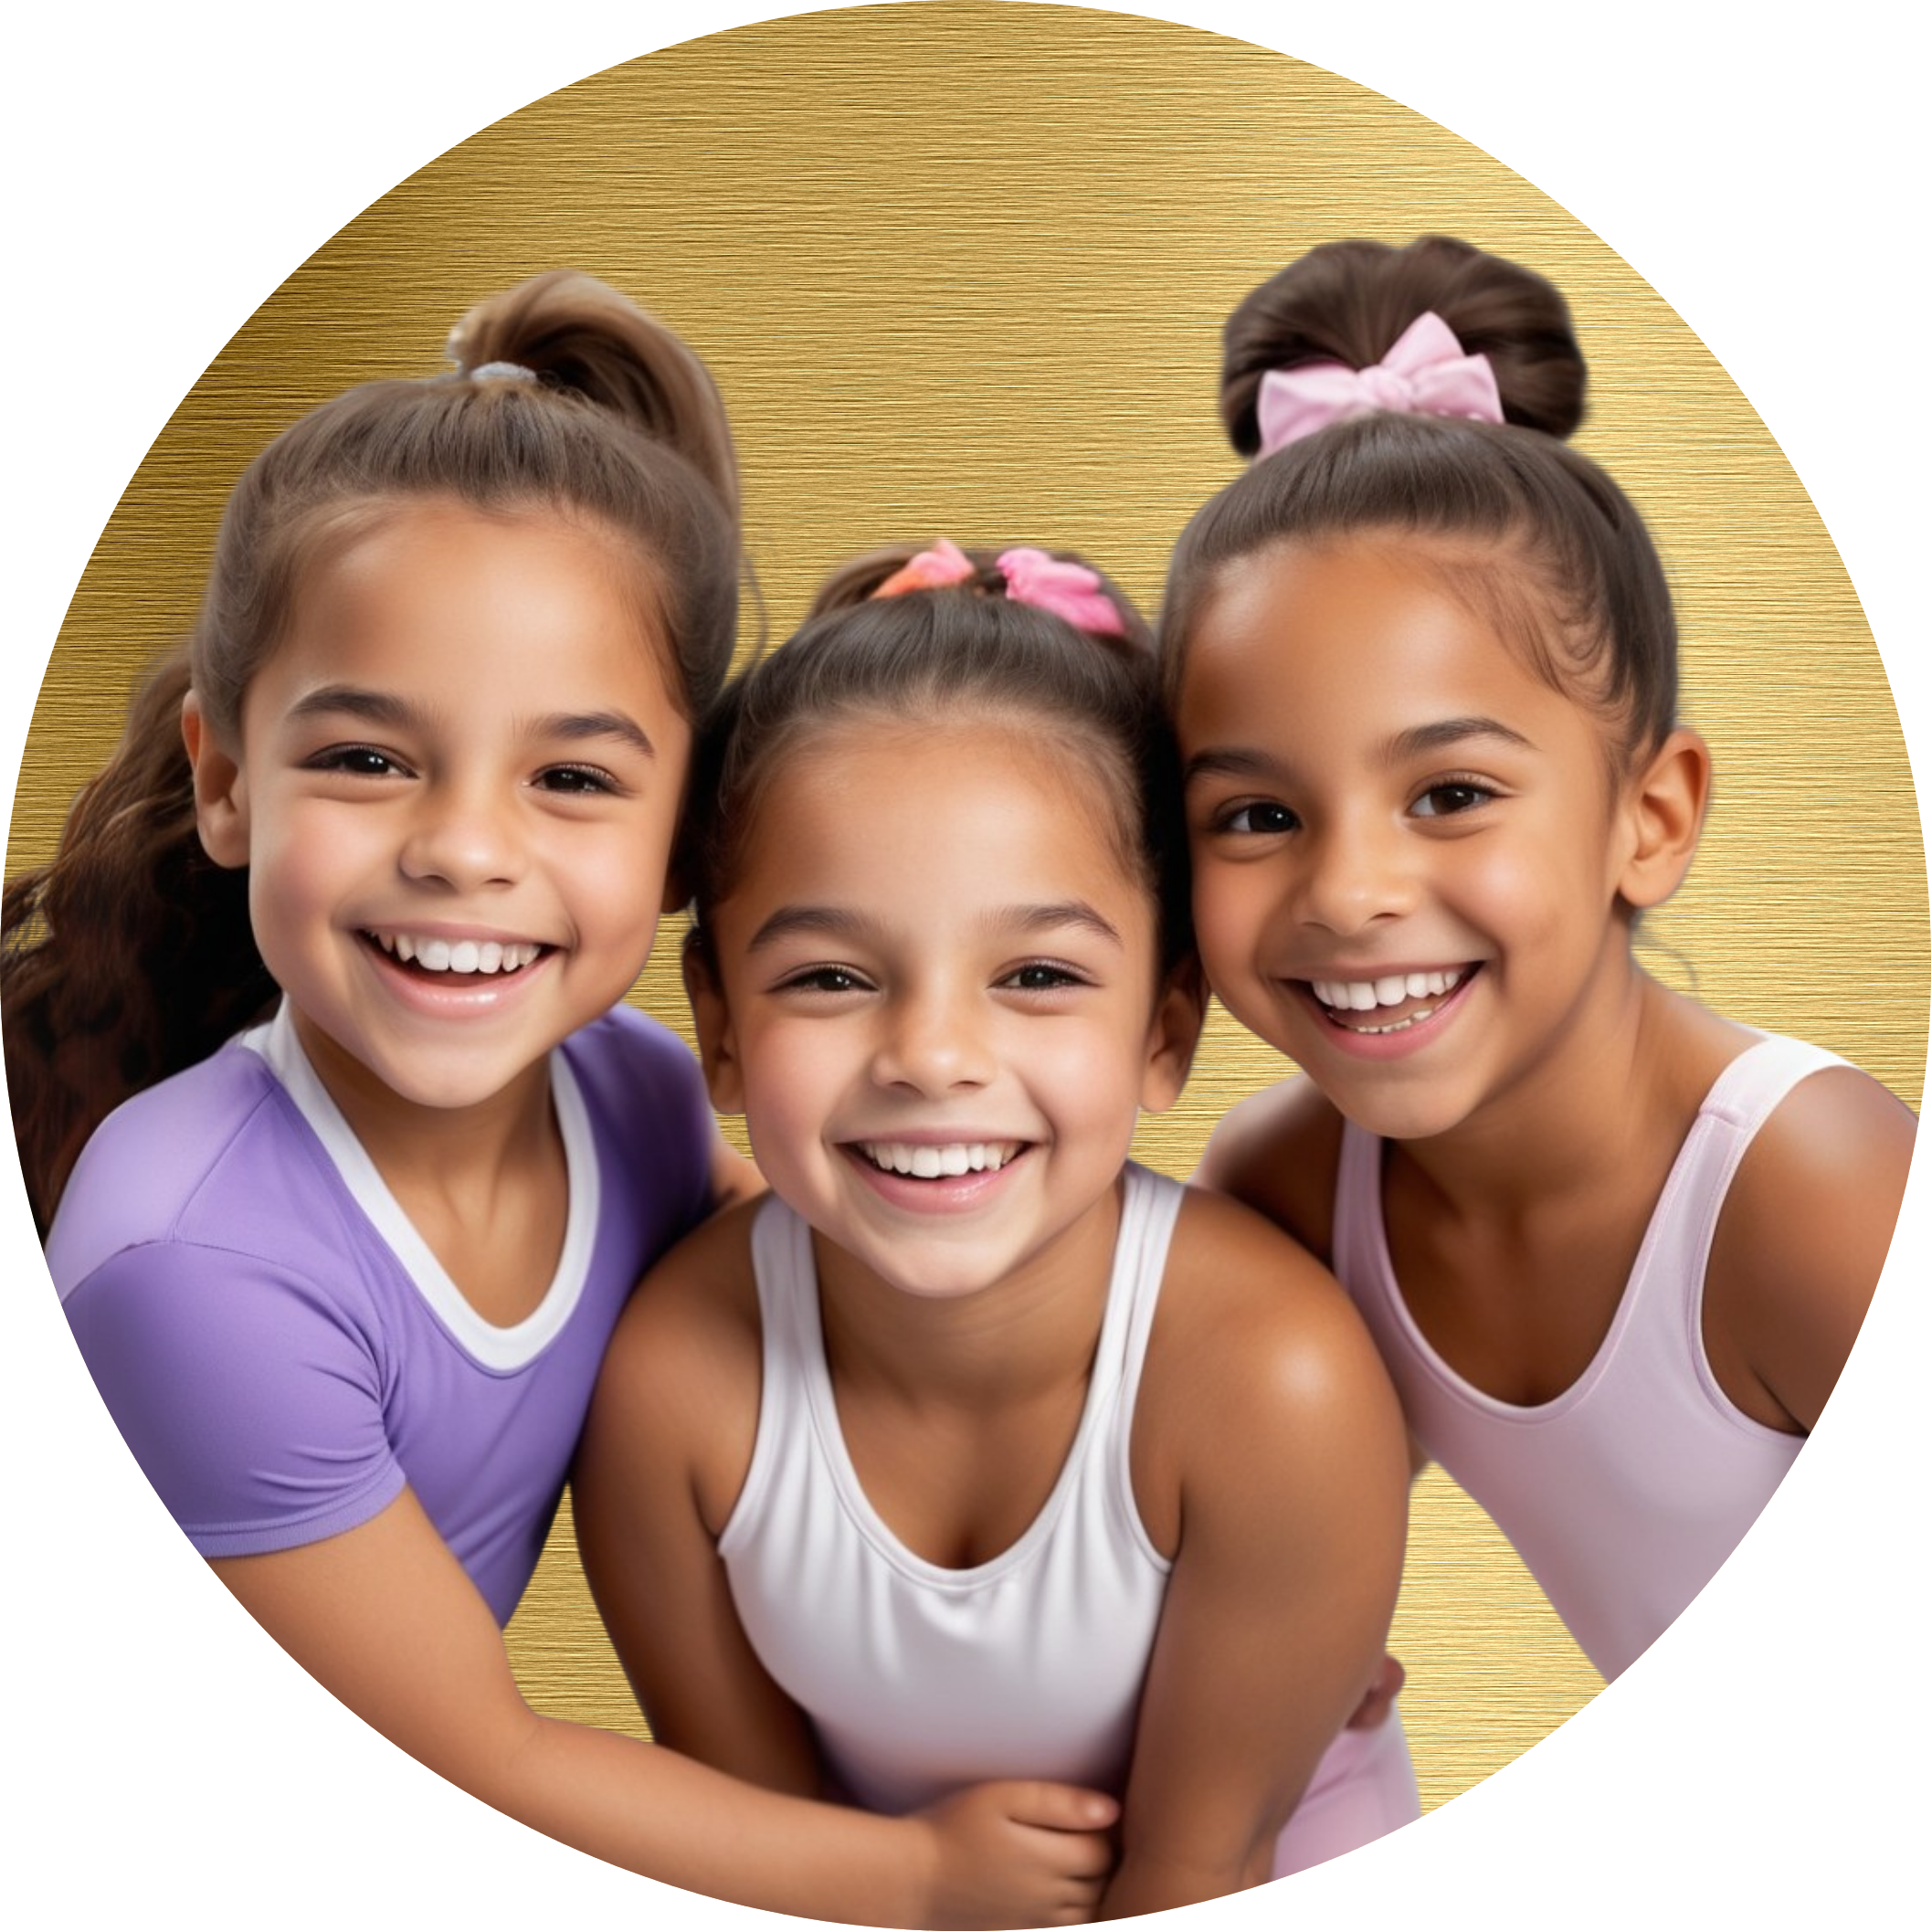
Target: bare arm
{"x":1275,"y":1452}
{"x":663,"y":1458}
{"x":664,"y":1455}
{"x":386,"y":1618}
{"x":1801,"y":1244}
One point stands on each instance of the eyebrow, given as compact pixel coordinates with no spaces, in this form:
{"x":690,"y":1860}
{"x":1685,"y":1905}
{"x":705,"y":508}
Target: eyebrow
{"x":1231,"y":761}
{"x":379,"y":707}
{"x":1423,"y":738}
{"x":837,"y":923}
{"x":1239,"y":761}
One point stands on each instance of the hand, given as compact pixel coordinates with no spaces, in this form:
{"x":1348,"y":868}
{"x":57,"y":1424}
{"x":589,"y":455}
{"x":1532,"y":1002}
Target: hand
{"x":1379,"y":1698}
{"x":1018,"y":1854}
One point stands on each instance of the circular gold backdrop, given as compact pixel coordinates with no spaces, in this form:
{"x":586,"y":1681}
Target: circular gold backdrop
{"x":961,"y":268}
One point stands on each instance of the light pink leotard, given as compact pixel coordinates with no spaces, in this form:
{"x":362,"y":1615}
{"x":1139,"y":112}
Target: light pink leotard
{"x":1626,"y":1493}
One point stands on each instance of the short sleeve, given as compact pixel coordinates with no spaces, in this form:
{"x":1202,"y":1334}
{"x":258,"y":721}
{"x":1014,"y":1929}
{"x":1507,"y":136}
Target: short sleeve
{"x":253,"y":1403}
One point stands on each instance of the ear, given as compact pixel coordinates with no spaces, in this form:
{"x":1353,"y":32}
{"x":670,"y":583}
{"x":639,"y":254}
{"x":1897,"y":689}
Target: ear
{"x":1173,"y":1035}
{"x":221,"y":801}
{"x":717,"y":1045}
{"x":1663,"y":806}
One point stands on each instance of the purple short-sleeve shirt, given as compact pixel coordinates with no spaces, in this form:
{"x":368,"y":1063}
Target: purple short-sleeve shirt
{"x":282,"y":1351}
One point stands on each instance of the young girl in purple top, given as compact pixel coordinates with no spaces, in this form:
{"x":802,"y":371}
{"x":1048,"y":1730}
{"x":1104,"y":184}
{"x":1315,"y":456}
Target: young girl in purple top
{"x":346,"y":1154}
{"x":1422,"y":662}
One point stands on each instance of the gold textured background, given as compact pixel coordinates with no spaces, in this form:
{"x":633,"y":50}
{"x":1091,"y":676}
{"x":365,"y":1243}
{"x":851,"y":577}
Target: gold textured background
{"x":962,"y":267}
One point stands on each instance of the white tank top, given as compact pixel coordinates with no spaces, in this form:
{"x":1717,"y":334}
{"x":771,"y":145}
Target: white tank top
{"x":921,"y":1679}
{"x":1626,"y":1493}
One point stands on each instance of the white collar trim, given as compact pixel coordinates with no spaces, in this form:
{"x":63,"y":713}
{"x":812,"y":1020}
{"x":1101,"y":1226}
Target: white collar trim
{"x":503,"y":1349}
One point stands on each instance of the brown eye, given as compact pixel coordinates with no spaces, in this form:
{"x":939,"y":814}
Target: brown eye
{"x":360,"y":761}
{"x":1452,"y":798}
{"x":1041,"y":976}
{"x":586,"y":780}
{"x":1263,"y":819}
{"x":824,"y":979}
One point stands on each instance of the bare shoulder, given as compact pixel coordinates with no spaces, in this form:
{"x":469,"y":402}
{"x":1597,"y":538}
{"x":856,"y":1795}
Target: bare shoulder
{"x":1278,"y":1151}
{"x":1803,"y":1235}
{"x":1257,"y":1359}
{"x":700,"y":1295}
{"x":679,"y":1386}
{"x":1250,"y":1299}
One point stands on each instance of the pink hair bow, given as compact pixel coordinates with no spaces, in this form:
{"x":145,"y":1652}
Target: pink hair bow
{"x":1424,"y":374}
{"x":943,"y":563}
{"x":1068,"y":590}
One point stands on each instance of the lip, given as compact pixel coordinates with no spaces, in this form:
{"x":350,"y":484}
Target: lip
{"x":944,"y":1194}
{"x":1412,"y":1038}
{"x":451,"y":996}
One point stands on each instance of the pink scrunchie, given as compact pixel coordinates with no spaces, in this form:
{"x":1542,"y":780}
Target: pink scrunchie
{"x":1070,"y":591}
{"x":1424,"y":374}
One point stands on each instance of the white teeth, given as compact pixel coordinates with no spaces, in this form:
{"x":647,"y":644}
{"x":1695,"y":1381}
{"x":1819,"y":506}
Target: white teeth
{"x":458,"y":955}
{"x":1364,"y":995}
{"x":926,"y":1162}
{"x":1399,"y":1025}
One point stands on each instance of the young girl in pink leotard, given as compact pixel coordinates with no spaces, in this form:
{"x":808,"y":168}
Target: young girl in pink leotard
{"x":1423,"y":663}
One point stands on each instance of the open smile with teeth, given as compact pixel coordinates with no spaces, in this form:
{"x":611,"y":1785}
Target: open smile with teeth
{"x":456,"y":955}
{"x":928,"y":1162}
{"x":1343,"y":996}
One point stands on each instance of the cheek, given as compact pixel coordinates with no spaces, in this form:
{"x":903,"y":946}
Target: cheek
{"x":792,"y":1074}
{"x":615,"y":877}
{"x":1527,"y":894}
{"x":1232,"y":908}
{"x":297,"y":863}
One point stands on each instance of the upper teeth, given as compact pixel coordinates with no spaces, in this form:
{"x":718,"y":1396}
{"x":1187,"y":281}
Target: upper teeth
{"x":458,"y":955}
{"x":1363,"y":995}
{"x":928,"y":1163}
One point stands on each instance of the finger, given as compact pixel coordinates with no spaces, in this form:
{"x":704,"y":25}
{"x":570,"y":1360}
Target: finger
{"x":1084,"y":1855}
{"x":1058,"y":1807}
{"x":1077,"y":1907}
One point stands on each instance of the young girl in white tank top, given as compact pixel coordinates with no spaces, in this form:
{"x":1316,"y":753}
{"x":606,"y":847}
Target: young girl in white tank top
{"x":977,"y":1448}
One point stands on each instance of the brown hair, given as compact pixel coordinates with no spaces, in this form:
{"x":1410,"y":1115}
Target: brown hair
{"x":1580,"y":564}
{"x":931,"y":656}
{"x":130,"y":957}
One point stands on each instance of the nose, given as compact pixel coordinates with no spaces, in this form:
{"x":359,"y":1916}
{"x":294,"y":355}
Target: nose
{"x":934,"y":1040}
{"x":463,"y":836}
{"x":1354,"y":875}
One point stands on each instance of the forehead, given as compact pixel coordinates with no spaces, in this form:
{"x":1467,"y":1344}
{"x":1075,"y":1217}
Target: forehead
{"x":438,"y":593}
{"x":1382,"y":633}
{"x":979,"y":805}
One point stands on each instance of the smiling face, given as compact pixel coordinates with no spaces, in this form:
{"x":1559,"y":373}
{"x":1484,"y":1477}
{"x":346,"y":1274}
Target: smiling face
{"x":1408,"y":849}
{"x":936,"y":999}
{"x":458,"y":782}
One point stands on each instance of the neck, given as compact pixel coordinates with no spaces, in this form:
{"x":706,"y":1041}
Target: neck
{"x":1032,"y":1330}
{"x":1604,"y":1103}
{"x":447,"y":1150}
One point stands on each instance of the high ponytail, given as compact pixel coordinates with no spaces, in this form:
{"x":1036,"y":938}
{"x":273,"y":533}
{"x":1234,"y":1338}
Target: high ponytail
{"x":1346,"y":302}
{"x":131,"y":957}
{"x":1580,"y":581}
{"x":962,"y":649}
